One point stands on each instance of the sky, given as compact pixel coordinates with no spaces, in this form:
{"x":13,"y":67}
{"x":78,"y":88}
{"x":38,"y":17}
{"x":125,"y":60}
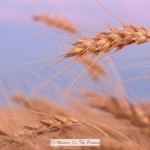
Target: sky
{"x":23,"y":40}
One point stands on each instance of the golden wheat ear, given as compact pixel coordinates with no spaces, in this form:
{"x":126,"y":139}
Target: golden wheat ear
{"x":112,"y":105}
{"x":57,"y":22}
{"x":114,"y":38}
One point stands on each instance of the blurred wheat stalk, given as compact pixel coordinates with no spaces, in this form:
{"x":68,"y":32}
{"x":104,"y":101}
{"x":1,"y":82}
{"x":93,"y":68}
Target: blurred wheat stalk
{"x":33,"y":127}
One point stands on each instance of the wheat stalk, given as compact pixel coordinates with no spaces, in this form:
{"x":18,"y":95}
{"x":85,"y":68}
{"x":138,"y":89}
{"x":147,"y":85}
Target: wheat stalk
{"x":56,"y":121}
{"x":57,"y":22}
{"x":61,"y":125}
{"x":37,"y":104}
{"x":96,"y":70}
{"x":104,"y":42}
{"x":114,"y":106}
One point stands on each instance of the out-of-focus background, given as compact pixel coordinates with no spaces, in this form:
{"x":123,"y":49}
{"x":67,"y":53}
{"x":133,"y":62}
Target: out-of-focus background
{"x":23,"y":40}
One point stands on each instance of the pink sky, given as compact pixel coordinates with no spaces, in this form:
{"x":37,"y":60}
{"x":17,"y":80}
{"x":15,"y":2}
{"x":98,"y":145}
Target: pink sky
{"x":10,"y":14}
{"x":138,"y":10}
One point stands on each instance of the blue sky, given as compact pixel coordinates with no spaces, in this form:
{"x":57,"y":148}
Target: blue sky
{"x":23,"y":40}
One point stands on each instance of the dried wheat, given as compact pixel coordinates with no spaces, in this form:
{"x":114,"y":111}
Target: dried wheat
{"x":57,"y":22}
{"x":95,"y":70}
{"x":104,"y":42}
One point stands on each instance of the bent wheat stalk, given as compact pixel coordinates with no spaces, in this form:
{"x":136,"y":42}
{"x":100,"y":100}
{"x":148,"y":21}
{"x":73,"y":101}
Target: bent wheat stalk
{"x":104,"y":42}
{"x":96,"y":70}
{"x":56,"y":22}
{"x":49,"y":125}
{"x":133,"y":114}
{"x":57,"y":122}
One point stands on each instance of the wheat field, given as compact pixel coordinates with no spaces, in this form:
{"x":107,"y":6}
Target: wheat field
{"x":94,"y":104}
